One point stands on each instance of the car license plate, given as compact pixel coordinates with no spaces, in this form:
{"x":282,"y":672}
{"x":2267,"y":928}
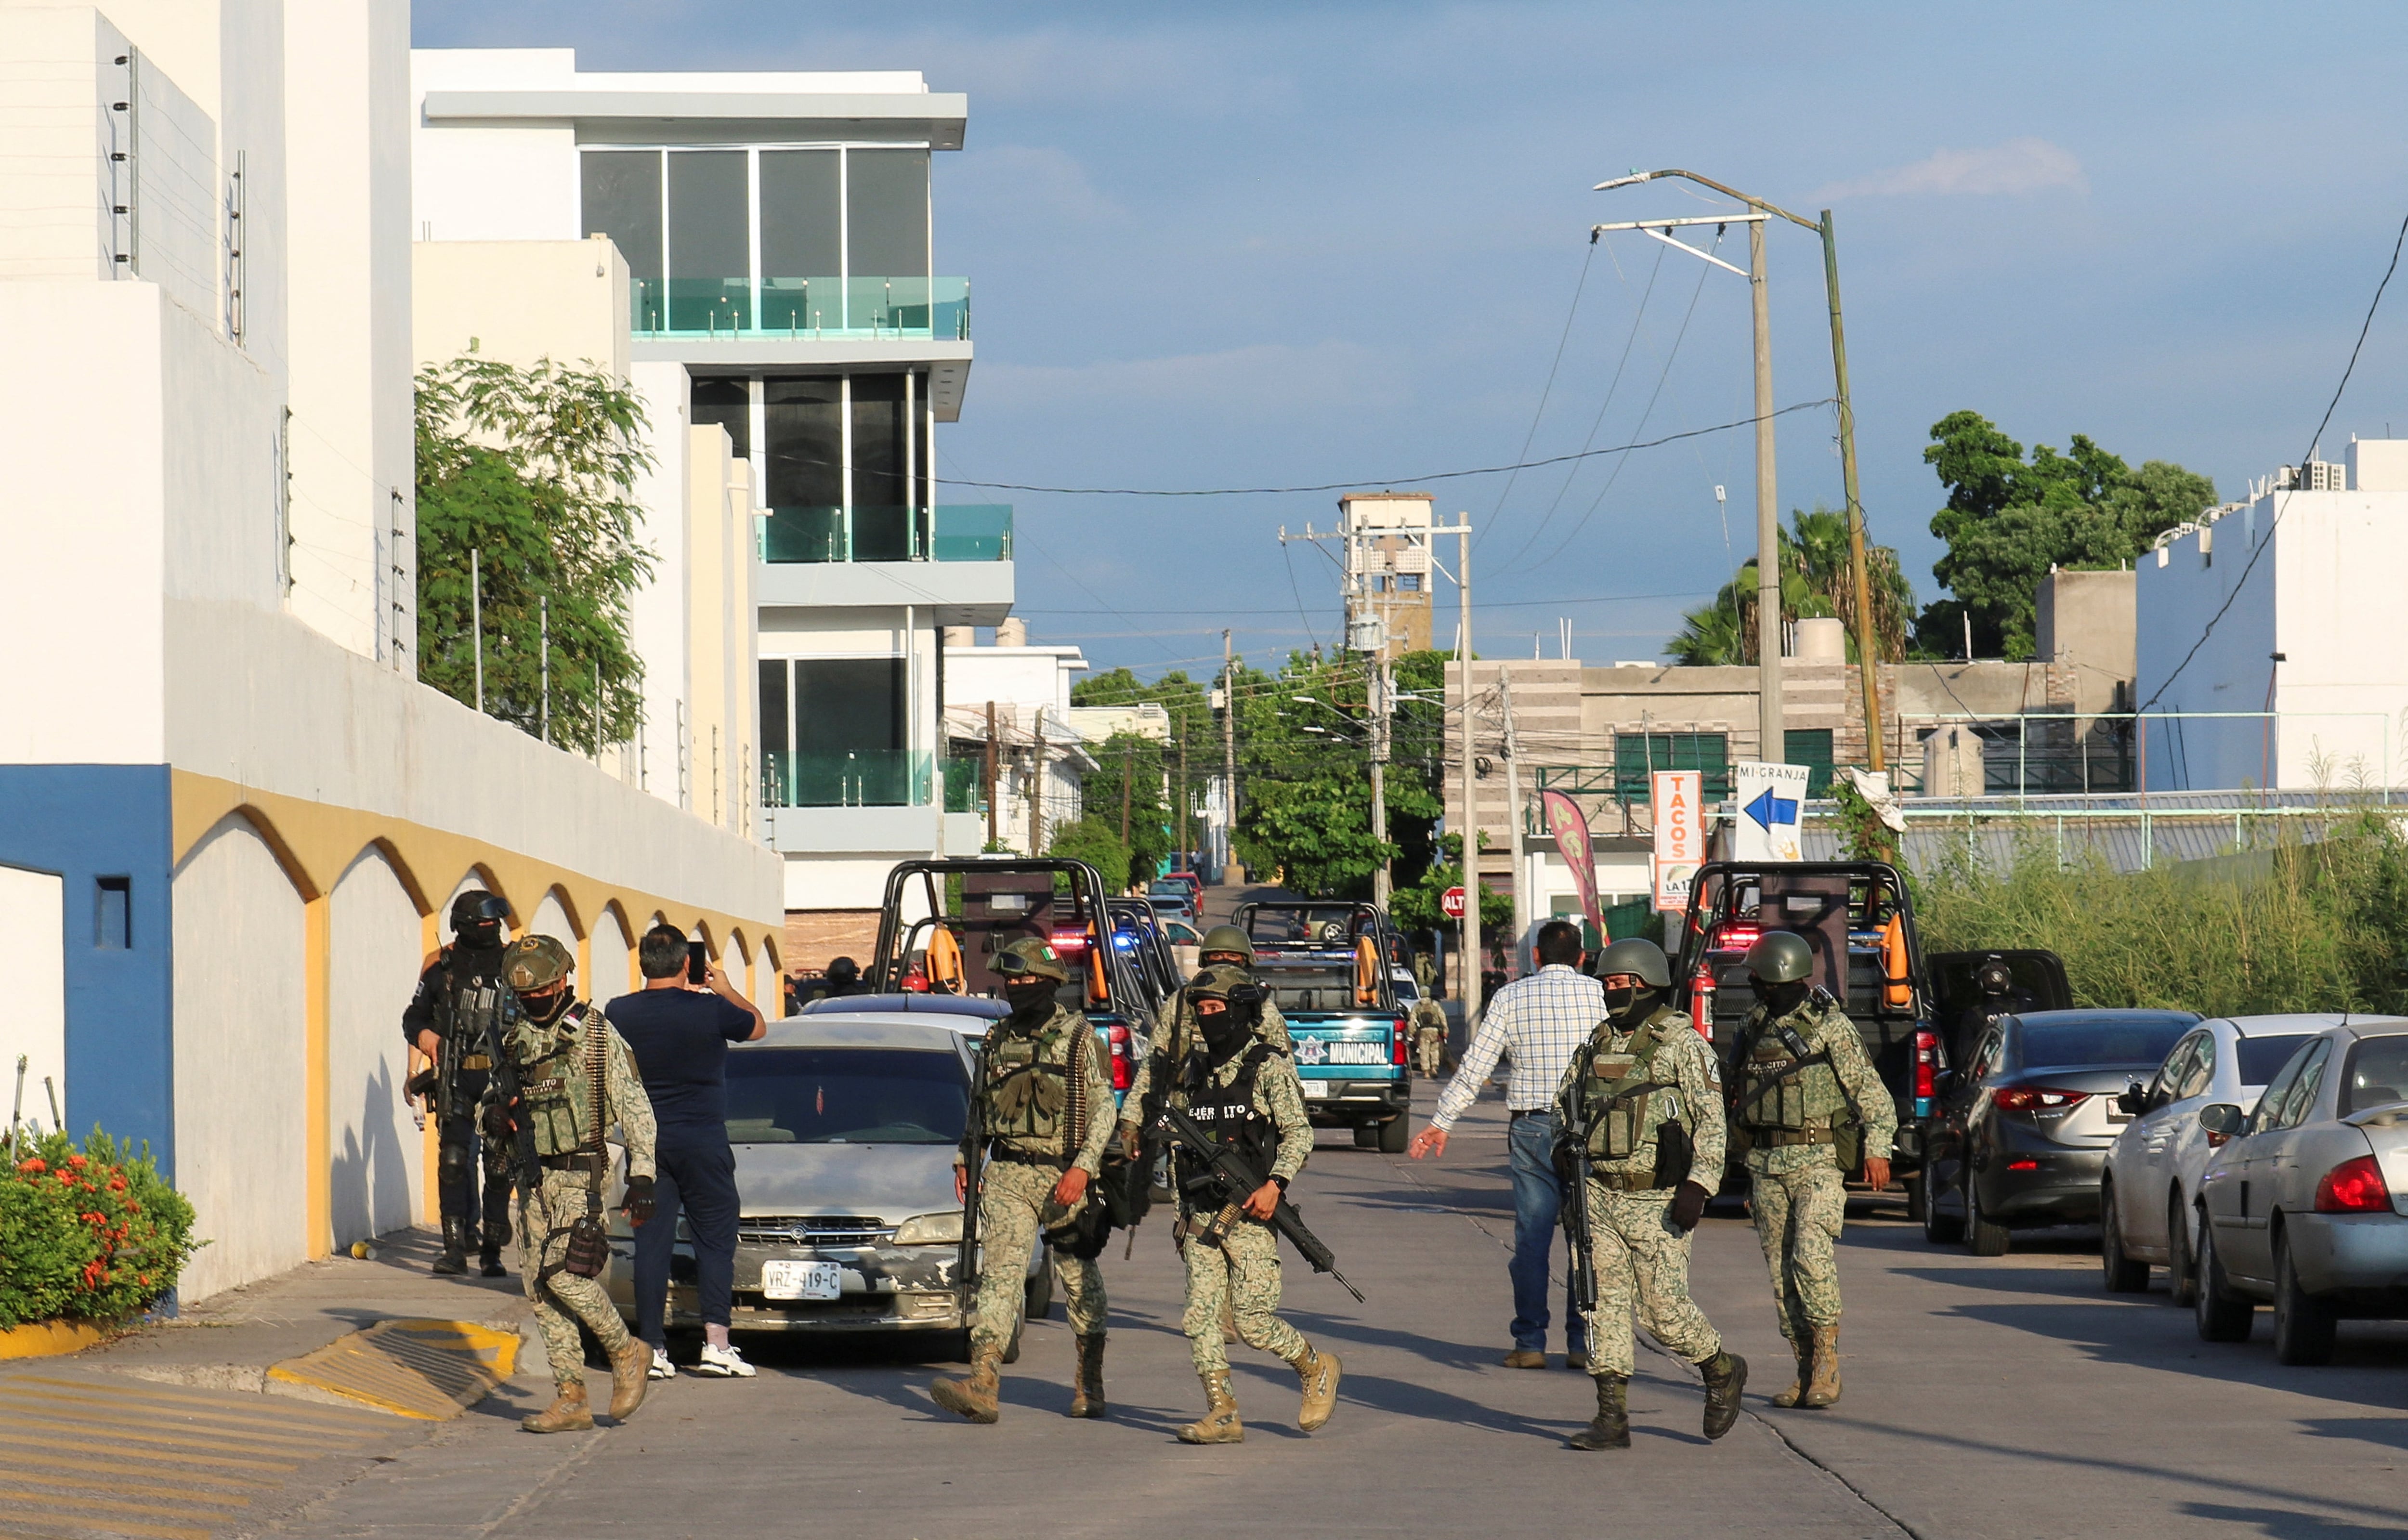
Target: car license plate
{"x":806,"y":1280}
{"x":1319,"y":1091}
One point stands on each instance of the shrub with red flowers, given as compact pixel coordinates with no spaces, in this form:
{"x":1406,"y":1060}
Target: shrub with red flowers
{"x":85,"y":1234}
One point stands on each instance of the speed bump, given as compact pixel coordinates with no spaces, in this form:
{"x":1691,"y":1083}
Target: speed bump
{"x":429,"y":1369}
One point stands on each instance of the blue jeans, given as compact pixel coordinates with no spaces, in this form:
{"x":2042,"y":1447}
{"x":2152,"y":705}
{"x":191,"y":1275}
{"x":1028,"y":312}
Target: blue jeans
{"x":1538,"y":1201}
{"x":695,"y":1172}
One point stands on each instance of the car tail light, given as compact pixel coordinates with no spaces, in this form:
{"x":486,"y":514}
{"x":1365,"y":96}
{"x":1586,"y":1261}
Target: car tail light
{"x":1396,"y":1042}
{"x":1927,"y":1072}
{"x":2354,"y":1187}
{"x":1735,"y":938}
{"x":2036,"y":1098}
{"x":2023,"y":1165}
{"x":1122,"y":1072}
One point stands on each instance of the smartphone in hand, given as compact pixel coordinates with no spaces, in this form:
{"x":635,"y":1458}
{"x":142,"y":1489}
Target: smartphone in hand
{"x":698,"y":963}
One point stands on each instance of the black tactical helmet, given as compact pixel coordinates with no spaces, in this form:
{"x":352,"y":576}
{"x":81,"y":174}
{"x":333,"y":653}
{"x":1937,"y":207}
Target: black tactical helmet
{"x":1226,"y":938}
{"x":842,"y":970}
{"x":477,"y":908}
{"x":1780,"y":957}
{"x":1994,"y":977}
{"x":1029,"y":955}
{"x":1639,"y":957}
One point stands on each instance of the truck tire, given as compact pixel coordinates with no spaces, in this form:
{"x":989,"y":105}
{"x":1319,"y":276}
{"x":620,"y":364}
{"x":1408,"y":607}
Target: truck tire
{"x":2121,"y":1273}
{"x":2221,"y":1316}
{"x":2303,"y":1323}
{"x":1367,"y":1136}
{"x":1392,"y":1135}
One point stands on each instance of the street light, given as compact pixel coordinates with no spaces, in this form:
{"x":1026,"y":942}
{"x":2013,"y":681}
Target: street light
{"x":1768,"y":537}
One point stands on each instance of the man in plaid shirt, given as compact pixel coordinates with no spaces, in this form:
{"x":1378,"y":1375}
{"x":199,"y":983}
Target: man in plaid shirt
{"x":1542,"y":1020}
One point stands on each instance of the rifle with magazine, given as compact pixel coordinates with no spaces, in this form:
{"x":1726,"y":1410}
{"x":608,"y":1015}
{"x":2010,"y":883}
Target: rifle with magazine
{"x":1233,"y":1181}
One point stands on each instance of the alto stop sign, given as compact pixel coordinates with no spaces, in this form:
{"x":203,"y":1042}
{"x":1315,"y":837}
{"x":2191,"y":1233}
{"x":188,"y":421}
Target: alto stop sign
{"x":1450,"y":903}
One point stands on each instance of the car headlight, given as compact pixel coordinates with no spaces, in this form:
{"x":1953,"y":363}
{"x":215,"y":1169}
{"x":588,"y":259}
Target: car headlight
{"x":931,"y":1230}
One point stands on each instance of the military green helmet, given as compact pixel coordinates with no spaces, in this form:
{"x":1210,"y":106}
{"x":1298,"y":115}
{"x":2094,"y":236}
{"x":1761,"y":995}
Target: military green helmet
{"x":1780,"y":957}
{"x":536,"y":963}
{"x":1030,"y":955}
{"x":1217,"y":982}
{"x":1226,"y":938}
{"x":1639,"y":957}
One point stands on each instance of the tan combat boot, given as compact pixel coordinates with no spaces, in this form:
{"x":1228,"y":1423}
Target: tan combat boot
{"x":1219,"y":1424}
{"x":977,"y":1396}
{"x":1823,"y":1388}
{"x":1318,"y":1372}
{"x":1797,"y":1390}
{"x":1610,"y":1428}
{"x":1087,"y":1396}
{"x":631,"y":1367}
{"x":566,"y":1415}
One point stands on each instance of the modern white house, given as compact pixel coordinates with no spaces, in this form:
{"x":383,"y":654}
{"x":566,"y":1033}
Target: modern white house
{"x":777,"y":232}
{"x":2283,"y":690}
{"x":1041,"y":747}
{"x":231,"y":817}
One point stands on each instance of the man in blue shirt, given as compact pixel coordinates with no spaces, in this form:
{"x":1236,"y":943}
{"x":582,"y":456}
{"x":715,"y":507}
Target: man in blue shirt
{"x":680,"y":1033}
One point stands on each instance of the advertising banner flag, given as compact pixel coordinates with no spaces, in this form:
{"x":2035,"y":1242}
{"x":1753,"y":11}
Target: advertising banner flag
{"x":1675,"y":799}
{"x":1569,"y":826}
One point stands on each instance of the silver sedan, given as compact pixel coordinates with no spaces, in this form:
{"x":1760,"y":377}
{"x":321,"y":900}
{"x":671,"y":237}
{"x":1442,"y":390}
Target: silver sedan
{"x":2306,"y":1206}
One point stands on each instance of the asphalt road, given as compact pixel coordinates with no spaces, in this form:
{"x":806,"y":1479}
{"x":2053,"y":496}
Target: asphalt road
{"x":2006,"y":1397}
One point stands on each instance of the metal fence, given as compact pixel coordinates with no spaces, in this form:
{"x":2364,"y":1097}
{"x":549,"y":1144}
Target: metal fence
{"x":2125,"y":832}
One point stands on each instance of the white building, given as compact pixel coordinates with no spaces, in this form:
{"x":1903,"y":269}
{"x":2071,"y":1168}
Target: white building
{"x":2293,"y":687}
{"x":1040,"y":749}
{"x":227,"y":807}
{"x":777,"y":232}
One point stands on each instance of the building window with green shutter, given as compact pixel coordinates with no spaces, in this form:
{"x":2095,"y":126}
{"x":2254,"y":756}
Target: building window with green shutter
{"x":1811,"y":747}
{"x":1638,"y":755}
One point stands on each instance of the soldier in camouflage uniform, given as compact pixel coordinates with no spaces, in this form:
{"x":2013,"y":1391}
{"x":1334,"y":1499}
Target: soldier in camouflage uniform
{"x":1430,"y":1034}
{"x":1647,"y":1091}
{"x":1243,"y":1089}
{"x":1803,"y":1087}
{"x":1036,"y":1175}
{"x":1174,"y":1029}
{"x":557,"y":1054}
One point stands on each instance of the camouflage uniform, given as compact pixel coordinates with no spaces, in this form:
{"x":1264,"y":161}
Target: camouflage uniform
{"x":1430,"y":1036}
{"x":1242,"y":1273}
{"x":1015,"y":1196}
{"x":561,"y":1098}
{"x":1641,"y":1257}
{"x":1175,"y":1035}
{"x":1795,"y":1179}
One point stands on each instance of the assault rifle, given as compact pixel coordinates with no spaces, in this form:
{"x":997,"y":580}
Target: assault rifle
{"x":1236,"y":1181}
{"x":973,"y":1146}
{"x":506,"y":1090}
{"x":1571,"y":1151}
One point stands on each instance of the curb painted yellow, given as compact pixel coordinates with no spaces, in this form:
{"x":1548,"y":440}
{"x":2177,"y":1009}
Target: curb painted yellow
{"x":432,"y":1370}
{"x":49,"y":1338}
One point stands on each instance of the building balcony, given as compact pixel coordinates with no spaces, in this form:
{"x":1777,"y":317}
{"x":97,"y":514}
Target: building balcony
{"x":737,"y":309}
{"x":975,"y":531}
{"x":861,"y":778}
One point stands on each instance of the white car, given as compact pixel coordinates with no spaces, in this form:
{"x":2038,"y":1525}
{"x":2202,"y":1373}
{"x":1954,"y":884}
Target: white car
{"x":2150,"y":1187}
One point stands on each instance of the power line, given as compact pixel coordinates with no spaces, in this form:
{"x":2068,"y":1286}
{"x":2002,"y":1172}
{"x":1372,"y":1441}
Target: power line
{"x":1392,"y":481}
{"x":2282,"y":504}
{"x":1549,"y":389}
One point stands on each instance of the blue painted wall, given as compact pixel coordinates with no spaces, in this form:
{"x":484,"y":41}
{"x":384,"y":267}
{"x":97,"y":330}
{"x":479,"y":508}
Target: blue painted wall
{"x":85,"y":822}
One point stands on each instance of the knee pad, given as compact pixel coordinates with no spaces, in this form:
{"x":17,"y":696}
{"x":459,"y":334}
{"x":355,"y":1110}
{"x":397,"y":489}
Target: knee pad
{"x":454,"y":1162}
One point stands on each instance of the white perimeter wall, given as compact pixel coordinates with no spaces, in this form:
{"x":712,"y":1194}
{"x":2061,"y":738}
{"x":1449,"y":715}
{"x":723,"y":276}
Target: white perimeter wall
{"x":241,"y":1153}
{"x":613,"y":960}
{"x":551,"y":920}
{"x":657,"y":613}
{"x":32,"y":914}
{"x":377,"y":1151}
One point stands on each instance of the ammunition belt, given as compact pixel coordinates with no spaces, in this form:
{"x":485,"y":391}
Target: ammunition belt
{"x":1783,"y":1138}
{"x":594,"y":1163}
{"x":476,"y":1061}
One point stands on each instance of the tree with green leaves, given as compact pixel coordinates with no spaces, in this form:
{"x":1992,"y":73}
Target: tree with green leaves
{"x":1416,"y":907}
{"x":1193,"y":726}
{"x":1818,"y":580}
{"x":1128,"y":782}
{"x":2008,"y":520}
{"x":534,"y":469}
{"x":1304,"y":771}
{"x":1090,"y":838}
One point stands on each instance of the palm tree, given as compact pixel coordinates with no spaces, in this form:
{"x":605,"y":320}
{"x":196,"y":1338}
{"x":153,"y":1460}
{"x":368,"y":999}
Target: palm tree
{"x":1817,"y":580}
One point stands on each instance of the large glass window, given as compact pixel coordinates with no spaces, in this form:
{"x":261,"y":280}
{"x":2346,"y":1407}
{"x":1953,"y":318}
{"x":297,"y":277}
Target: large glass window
{"x":729,"y":404}
{"x":882,"y":523}
{"x":842,"y":735}
{"x":711,"y":240}
{"x":622,"y":201}
{"x":886,"y":237}
{"x":802,"y":240}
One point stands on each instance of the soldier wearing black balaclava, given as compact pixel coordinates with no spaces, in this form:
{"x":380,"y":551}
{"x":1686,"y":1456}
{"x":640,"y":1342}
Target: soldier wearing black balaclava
{"x":458,"y":997}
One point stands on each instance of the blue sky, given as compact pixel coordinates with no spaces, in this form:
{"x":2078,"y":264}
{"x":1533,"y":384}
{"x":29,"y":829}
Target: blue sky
{"x":1274,"y":245}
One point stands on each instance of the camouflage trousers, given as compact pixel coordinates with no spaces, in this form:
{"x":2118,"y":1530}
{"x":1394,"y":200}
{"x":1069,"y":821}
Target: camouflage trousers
{"x":1015,"y":1203}
{"x":558,"y":1203}
{"x":1242,"y":1273}
{"x":1799,"y":1205}
{"x":1429,"y":1049}
{"x":1643,"y":1268}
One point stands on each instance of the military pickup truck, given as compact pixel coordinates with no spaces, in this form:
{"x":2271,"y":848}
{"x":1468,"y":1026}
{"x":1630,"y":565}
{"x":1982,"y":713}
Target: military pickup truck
{"x":1329,"y":966}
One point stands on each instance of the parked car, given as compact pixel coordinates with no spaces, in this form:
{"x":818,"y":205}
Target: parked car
{"x":1173,"y":906}
{"x":845,"y":1124}
{"x":2153,"y":1169}
{"x":2305,"y":1207}
{"x":1189,"y":881}
{"x":2019,"y":1136}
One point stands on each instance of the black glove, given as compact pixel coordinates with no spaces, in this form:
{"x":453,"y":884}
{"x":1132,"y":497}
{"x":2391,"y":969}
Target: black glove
{"x":638,"y":1205}
{"x":498,"y":1123}
{"x":1688,"y":1206}
{"x":420,"y":1084}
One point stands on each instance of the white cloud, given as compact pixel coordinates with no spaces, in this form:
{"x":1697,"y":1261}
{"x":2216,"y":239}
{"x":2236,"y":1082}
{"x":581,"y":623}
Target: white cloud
{"x":2020,"y":165}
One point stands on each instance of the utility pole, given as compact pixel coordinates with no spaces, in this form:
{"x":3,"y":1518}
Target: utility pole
{"x":1514,"y":818}
{"x":1468,"y":931}
{"x":1382,"y":878}
{"x":543,"y":644}
{"x":990,"y":774}
{"x":477,"y":625}
{"x":1037,"y":792}
{"x":1229,"y":739}
{"x":1187,"y":852}
{"x":1868,"y":653}
{"x":1125,"y":793}
{"x":1769,"y":747}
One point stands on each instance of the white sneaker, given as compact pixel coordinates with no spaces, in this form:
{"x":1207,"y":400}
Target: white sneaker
{"x":723,"y":1362}
{"x":661,"y":1367}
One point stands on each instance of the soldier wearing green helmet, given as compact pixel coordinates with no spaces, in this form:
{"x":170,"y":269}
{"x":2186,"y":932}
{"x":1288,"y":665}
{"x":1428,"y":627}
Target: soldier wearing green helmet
{"x":567,"y":1079}
{"x":1041,"y":1110}
{"x":1804,"y":1095}
{"x":1175,"y":1031}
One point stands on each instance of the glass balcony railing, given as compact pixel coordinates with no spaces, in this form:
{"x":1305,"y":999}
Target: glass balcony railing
{"x":795,"y":308}
{"x":964,"y":784}
{"x":861,"y":778}
{"x":977,"y":531}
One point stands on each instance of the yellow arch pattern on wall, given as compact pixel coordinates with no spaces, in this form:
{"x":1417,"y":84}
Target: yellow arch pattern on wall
{"x":314,"y":843}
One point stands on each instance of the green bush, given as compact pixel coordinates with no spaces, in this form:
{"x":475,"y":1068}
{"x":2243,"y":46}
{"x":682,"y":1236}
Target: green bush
{"x":2298,"y":927}
{"x":86,"y":1235}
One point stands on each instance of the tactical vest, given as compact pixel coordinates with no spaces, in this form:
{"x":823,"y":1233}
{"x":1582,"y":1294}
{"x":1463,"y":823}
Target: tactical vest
{"x":1232,"y":1116}
{"x":556,"y":1084}
{"x":1623,"y":1100}
{"x":472,"y":1004}
{"x":1784,"y":1085}
{"x":1028,"y":1093}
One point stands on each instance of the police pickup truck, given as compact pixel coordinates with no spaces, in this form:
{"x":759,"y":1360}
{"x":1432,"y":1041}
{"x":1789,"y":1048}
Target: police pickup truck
{"x":1328,"y":966}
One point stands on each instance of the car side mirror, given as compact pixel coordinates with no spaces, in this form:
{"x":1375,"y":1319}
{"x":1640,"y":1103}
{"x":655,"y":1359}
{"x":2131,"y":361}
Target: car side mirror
{"x":2134,"y":1101}
{"x":2220,"y":1122}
